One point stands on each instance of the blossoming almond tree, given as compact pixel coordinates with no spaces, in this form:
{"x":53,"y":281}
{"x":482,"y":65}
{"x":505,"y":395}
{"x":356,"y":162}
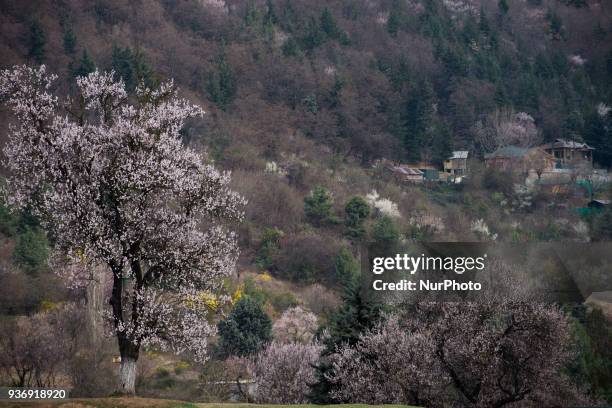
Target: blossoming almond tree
{"x":112,"y":182}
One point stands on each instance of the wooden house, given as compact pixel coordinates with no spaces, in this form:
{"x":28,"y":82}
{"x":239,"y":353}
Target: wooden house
{"x":569,"y":153}
{"x":520,"y":159}
{"x":456,"y":165}
{"x":404,"y":173}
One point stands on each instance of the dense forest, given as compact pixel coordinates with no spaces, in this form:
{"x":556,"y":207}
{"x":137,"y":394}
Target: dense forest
{"x":305,"y":102}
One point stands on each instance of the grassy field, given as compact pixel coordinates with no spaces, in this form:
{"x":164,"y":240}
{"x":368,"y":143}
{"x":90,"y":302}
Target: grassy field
{"x":122,"y":402}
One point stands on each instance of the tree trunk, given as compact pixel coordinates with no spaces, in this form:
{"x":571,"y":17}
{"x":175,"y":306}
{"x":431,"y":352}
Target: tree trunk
{"x":127,"y":376}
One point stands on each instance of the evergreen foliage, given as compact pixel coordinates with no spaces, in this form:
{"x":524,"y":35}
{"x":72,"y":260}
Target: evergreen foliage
{"x":318,"y":207}
{"x":85,"y":65}
{"x":221,"y":86}
{"x":36,"y":42}
{"x":246,"y":330}
{"x":357,"y":210}
{"x":357,"y":314}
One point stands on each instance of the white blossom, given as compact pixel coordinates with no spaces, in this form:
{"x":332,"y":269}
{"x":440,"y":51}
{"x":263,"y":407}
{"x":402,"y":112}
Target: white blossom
{"x":479,"y":226}
{"x":295,"y":325}
{"x":383,"y":205}
{"x":115,"y":186}
{"x":603,"y":109}
{"x":577,"y":60}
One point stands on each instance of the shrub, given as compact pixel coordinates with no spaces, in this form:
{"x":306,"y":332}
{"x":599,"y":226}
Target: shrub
{"x":357,"y":210}
{"x":385,"y":231}
{"x":268,"y":247}
{"x":318,"y":207}
{"x":306,"y":257}
{"x":246,"y":330}
{"x":31,"y":251}
{"x":495,"y":180}
{"x":320,"y":300}
{"x":347,"y":267}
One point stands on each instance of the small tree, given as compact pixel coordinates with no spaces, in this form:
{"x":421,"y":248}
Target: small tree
{"x":70,"y":40}
{"x":388,"y":365}
{"x":385,"y":231}
{"x":318,"y":206}
{"x":116,"y":187}
{"x":37,"y":40}
{"x":357,"y":315}
{"x":347,"y":267}
{"x":31,"y":251}
{"x":357,"y":210}
{"x":84,"y":67}
{"x":246,"y":330}
{"x":296,"y":325}
{"x":221,"y":86}
{"x":506,"y":128}
{"x":283,"y":371}
{"x":34,"y":349}
{"x":328,"y":24}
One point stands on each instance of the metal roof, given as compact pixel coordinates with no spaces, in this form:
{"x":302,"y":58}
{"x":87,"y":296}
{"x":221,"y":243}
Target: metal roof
{"x":507,"y":152}
{"x":459,"y":154}
{"x":569,"y":144}
{"x":408,"y":171}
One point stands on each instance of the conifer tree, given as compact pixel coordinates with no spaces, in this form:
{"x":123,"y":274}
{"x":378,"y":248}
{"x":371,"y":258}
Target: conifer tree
{"x":221,"y":85}
{"x":418,"y":117}
{"x":121,"y":61}
{"x":357,"y":314}
{"x":37,"y":40}
{"x":246,"y":330}
{"x":85,"y":66}
{"x":328,"y":24}
{"x":69,"y":41}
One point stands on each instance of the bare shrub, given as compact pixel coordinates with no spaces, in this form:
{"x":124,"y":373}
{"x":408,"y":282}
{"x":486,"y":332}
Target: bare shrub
{"x":35,"y":350}
{"x":306,"y":257}
{"x":320,"y":300}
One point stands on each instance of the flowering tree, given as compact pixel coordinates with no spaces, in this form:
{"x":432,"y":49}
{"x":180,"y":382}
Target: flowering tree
{"x":283,"y":371}
{"x":295,"y":325}
{"x":506,"y":128}
{"x":388,"y":365}
{"x":490,"y":353}
{"x":111,"y":180}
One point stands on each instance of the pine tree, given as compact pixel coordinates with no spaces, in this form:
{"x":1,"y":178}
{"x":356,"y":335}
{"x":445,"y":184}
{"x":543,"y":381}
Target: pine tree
{"x":31,"y":250}
{"x":270,"y":17}
{"x":85,"y":66}
{"x":503,"y":7}
{"x":357,"y":314}
{"x":417,"y":118}
{"x":313,"y":37}
{"x":121,"y":62}
{"x":483,"y":23}
{"x":441,"y":147}
{"x":69,"y":41}
{"x":37,"y":40}
{"x":328,"y":24}
{"x":357,"y":210}
{"x":393,"y":22}
{"x":347,"y":267}
{"x":143,"y":71}
{"x":221,"y":85}
{"x":246,"y":330}
{"x":318,"y":206}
